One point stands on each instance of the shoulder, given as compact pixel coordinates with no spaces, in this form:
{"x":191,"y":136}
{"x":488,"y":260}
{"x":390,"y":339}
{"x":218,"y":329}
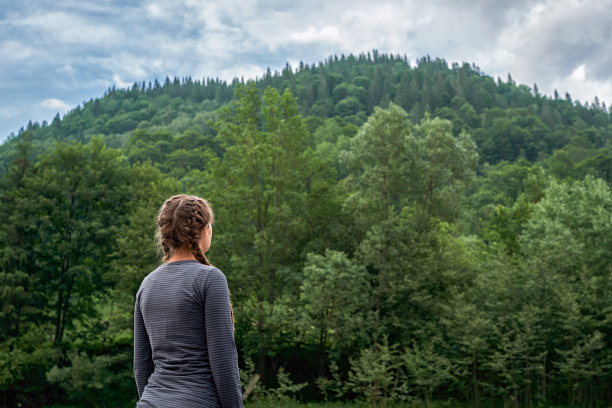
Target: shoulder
{"x":208,"y":277}
{"x":215,"y":273}
{"x":147,"y":281}
{"x":212,"y":275}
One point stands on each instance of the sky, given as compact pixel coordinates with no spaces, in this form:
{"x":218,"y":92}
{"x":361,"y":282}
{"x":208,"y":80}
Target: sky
{"x":54,"y":55}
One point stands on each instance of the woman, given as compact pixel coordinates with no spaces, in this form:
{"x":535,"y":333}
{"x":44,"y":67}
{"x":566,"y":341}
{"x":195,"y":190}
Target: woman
{"x":184,"y":350}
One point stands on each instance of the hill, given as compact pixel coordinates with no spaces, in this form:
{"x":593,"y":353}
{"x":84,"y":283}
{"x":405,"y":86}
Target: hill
{"x":392,"y":234}
{"x":507,"y":121}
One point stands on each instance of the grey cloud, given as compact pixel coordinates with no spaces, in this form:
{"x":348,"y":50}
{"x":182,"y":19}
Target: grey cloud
{"x":558,"y":37}
{"x":148,"y":39}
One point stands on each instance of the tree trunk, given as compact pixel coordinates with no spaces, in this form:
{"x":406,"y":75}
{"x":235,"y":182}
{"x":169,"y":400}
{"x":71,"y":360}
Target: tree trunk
{"x":381,"y":281}
{"x":322,"y":341}
{"x":58,"y":316}
{"x":65,"y":311}
{"x":474,"y":384}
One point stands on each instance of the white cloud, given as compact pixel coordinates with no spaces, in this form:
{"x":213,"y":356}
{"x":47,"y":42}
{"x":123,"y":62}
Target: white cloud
{"x":119,"y":83}
{"x":12,"y":50}
{"x":75,"y":50}
{"x":382,"y":26}
{"x":55,"y":104}
{"x":64,"y":28}
{"x":155,"y":11}
{"x":563,"y":44}
{"x":582,"y":86}
{"x":579,"y":74}
{"x":8,"y":112}
{"x":247,"y":72}
{"x":66,"y":69}
{"x":311,"y":34}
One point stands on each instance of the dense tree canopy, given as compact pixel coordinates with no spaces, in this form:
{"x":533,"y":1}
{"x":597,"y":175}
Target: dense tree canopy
{"x":390,"y":232}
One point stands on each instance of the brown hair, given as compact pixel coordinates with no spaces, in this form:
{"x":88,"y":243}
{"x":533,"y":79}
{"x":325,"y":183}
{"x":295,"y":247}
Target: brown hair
{"x":181,"y":221}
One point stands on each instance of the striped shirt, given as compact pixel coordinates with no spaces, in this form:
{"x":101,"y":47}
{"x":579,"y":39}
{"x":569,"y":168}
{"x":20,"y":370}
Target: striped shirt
{"x":184,"y":350}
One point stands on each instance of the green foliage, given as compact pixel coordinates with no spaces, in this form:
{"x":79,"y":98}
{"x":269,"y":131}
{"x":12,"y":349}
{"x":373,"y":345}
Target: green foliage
{"x":379,"y":158}
{"x":262,"y":184}
{"x":427,"y":369}
{"x":286,"y":388}
{"x":445,"y":165}
{"x":136,"y":252}
{"x":23,"y":368}
{"x":91,"y":381}
{"x":426,"y":233}
{"x":284,"y":391}
{"x":571,"y":228}
{"x":374,"y":374}
{"x":74,"y":201}
{"x":331,"y":387}
{"x":332,"y":294}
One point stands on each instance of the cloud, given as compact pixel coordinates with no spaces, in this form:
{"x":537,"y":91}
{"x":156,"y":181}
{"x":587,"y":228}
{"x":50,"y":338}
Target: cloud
{"x":586,"y":85}
{"x":155,"y":11}
{"x":12,"y":50}
{"x":247,"y":71}
{"x":119,"y":83}
{"x":63,"y":28}
{"x":8,"y":112}
{"x":554,"y":39}
{"x":312,"y":34}
{"x":75,"y":50}
{"x":66,"y":69}
{"x":55,"y":104}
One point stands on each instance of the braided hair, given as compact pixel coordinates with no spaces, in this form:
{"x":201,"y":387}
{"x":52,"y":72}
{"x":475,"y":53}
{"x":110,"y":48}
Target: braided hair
{"x":181,"y":220}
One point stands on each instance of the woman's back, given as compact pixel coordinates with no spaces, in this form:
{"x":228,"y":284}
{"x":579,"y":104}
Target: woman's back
{"x":184,"y":350}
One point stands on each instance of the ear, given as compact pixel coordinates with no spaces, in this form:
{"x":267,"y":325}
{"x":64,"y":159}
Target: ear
{"x":206,"y":231}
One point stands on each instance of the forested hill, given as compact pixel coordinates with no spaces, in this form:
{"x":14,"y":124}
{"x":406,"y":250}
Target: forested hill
{"x":452,"y":247}
{"x":506,"y":120}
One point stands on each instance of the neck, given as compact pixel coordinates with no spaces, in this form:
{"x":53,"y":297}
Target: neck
{"x":181,"y":255}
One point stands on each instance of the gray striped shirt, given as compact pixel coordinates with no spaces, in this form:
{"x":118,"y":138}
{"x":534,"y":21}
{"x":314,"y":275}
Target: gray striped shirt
{"x":184,"y":350}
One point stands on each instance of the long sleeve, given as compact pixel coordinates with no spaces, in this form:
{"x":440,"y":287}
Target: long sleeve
{"x":143,"y":359}
{"x":220,"y":340}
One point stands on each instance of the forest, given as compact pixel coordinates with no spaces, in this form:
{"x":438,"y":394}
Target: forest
{"x":394,"y":233}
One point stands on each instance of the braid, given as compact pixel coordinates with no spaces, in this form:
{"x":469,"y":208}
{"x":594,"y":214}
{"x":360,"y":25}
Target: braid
{"x":181,"y":221}
{"x":196,"y":220}
{"x":165,"y":223}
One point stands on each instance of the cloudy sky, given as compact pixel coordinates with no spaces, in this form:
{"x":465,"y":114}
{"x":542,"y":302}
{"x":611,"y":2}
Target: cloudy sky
{"x":55,"y":54}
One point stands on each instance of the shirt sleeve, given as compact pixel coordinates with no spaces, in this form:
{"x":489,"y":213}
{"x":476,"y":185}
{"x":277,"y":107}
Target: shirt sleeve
{"x":143,"y":358}
{"x":220,"y":340}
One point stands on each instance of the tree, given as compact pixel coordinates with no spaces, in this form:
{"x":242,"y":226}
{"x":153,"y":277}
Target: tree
{"x":144,"y":145}
{"x":333,"y":293}
{"x":73,"y":204}
{"x":136,"y":253}
{"x":400,"y":179}
{"x":20,"y":304}
{"x":571,"y":228}
{"x":380,"y":158}
{"x":567,"y":245}
{"x":261,"y":186}
{"x":427,"y":369}
{"x":374,"y":373}
{"x":445,"y":166}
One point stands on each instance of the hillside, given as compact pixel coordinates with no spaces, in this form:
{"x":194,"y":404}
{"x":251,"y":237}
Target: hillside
{"x":391,"y":234}
{"x":506,"y":120}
